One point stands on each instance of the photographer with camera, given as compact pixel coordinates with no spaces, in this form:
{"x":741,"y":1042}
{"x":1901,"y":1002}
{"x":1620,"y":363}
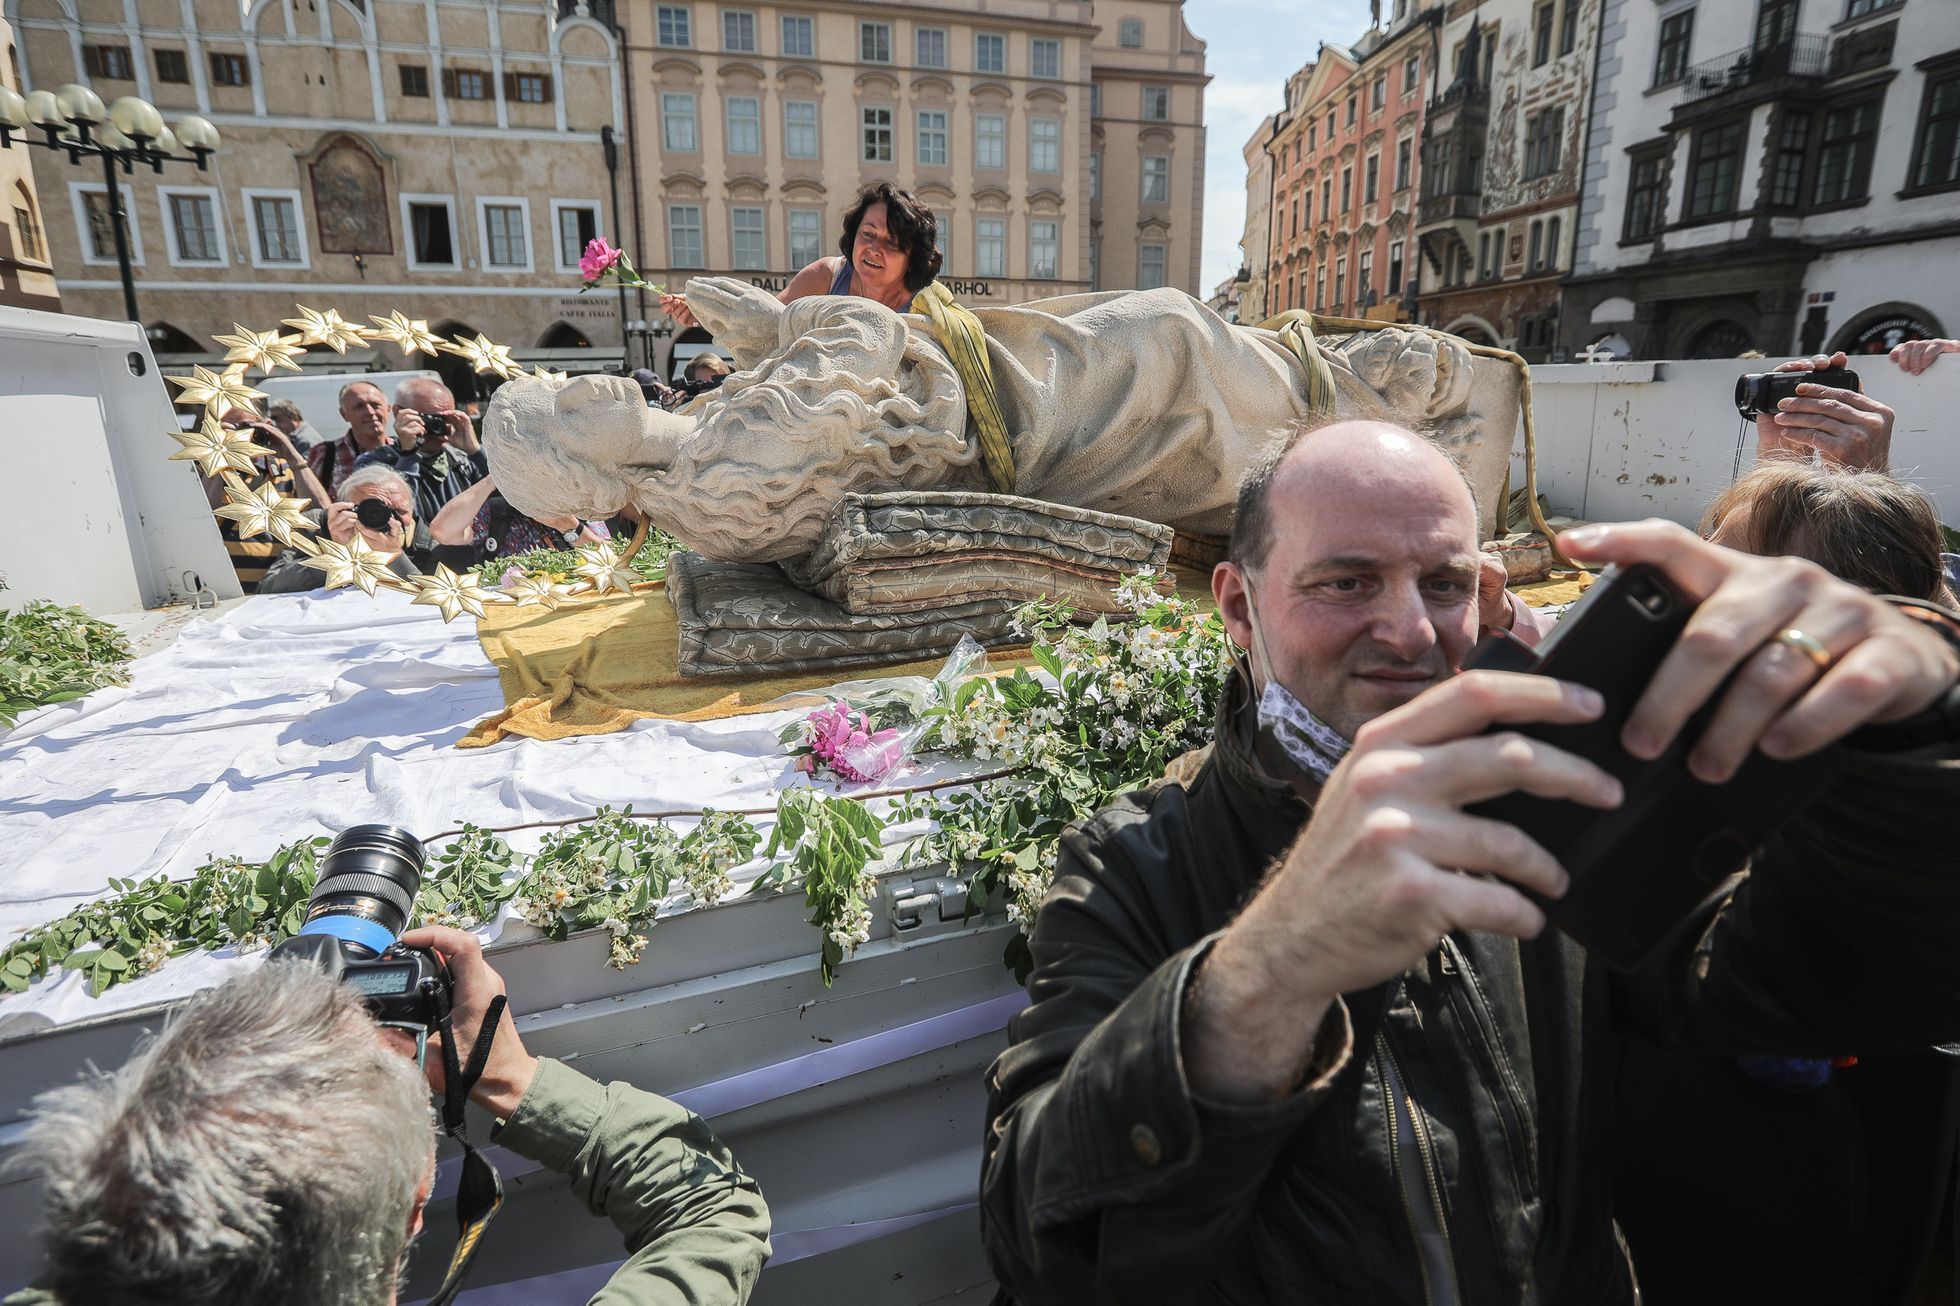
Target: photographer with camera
{"x":375,"y":505}
{"x":436,"y":449}
{"x":1836,"y":423}
{"x":1297,"y":1029}
{"x":273,"y":1143}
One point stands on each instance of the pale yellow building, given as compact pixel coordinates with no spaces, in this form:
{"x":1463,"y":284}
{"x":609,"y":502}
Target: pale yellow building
{"x":438,"y":157}
{"x":26,"y":278}
{"x":1059,"y":143}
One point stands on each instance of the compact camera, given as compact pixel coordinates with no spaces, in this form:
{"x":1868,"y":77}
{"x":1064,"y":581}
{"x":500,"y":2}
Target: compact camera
{"x":1758,"y":393}
{"x":360,"y":905}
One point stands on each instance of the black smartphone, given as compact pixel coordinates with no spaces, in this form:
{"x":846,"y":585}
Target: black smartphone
{"x":1638,"y":871}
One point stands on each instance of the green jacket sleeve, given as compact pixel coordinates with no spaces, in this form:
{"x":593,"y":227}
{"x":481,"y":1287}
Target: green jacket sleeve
{"x":696,"y":1226}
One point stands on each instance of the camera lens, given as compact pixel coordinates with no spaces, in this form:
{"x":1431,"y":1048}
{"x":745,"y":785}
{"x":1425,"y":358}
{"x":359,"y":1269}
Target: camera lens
{"x":1747,"y":388}
{"x":375,"y":514}
{"x":367,"y":886}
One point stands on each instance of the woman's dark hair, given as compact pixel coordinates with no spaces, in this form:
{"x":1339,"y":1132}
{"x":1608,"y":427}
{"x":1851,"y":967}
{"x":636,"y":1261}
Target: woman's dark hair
{"x":1874,"y":530}
{"x":910,"y":223}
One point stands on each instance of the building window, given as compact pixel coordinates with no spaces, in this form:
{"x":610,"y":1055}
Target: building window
{"x":1543,"y":19}
{"x":1347,"y":189}
{"x":677,"y":122}
{"x":1129,"y":34}
{"x":1646,"y":197}
{"x":275,"y":229}
{"x":1394,"y":283}
{"x":990,"y":143}
{"x":1568,"y":28}
{"x":1536,"y":258}
{"x":1353,"y":103}
{"x":415,"y":81}
{"x":1541,"y":142}
{"x":738,"y":31}
{"x":1296,"y":216}
{"x":1320,"y":288}
{"x":174,"y":68}
{"x":876,"y":143}
{"x":194,"y":228}
{"x":1312,"y":135}
{"x":874,"y":42}
{"x":744,"y":124}
{"x":101,"y":226}
{"x":1044,"y":249}
{"x":684,"y":236}
{"x":1330,"y":128}
{"x":799,"y":36}
{"x":1936,"y":160}
{"x":1150,"y":266}
{"x":110,"y":61}
{"x":27,"y":232}
{"x":1095,"y":99}
{"x":1483,"y":256}
{"x":1411,"y":75}
{"x":932,"y":138}
{"x":1327,"y":199}
{"x":1044,"y":145}
{"x":1776,"y":23}
{"x":1713,"y":174}
{"x":1378,"y":95}
{"x":805,"y":237}
{"x":1157,"y":181}
{"x":1844,"y":157}
{"x":1859,"y":8}
{"x":751,"y":246}
{"x":1095,"y":174}
{"x":1306,"y":205}
{"x":504,"y":242}
{"x":431,"y":234}
{"x":929,"y":46}
{"x":466,"y":83}
{"x":578,"y":226}
{"x":800,"y":129}
{"x":529,"y":88}
{"x":1551,"y":243}
{"x":1371,"y":176}
{"x":1045,"y":58}
{"x":1405,"y":152}
{"x":990,"y":56}
{"x":1157,"y":103}
{"x":1671,"y":58}
{"x":943,"y":238}
{"x":1792,"y":148}
{"x":674,"y":26}
{"x":1364,"y":271}
{"x":229,"y":70}
{"x":1340,"y":281}
{"x":990,"y":247}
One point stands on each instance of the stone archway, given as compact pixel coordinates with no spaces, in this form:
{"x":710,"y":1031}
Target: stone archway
{"x":1722,"y":338}
{"x":1877,"y":329}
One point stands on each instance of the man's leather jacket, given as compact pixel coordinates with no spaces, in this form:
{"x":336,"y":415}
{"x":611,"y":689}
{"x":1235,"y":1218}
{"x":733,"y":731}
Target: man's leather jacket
{"x":1451,"y":1141}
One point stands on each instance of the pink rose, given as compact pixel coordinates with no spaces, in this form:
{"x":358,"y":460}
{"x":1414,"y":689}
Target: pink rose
{"x":598,"y":259}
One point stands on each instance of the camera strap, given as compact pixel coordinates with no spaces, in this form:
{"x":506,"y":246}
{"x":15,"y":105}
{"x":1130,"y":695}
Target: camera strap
{"x":479,"y":1190}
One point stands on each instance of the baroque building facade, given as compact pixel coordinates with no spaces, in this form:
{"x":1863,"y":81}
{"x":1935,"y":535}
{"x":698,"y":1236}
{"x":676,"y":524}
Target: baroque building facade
{"x":1502,"y":162}
{"x":1344,"y":167}
{"x":1776,"y":175}
{"x":1059,"y":143}
{"x":433,"y":156}
{"x":26,"y":276}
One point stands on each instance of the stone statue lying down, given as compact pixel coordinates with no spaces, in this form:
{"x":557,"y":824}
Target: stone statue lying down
{"x":1142,"y":403}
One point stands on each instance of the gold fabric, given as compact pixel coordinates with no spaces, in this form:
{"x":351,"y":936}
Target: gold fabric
{"x":1295,"y":329}
{"x":960,"y":334}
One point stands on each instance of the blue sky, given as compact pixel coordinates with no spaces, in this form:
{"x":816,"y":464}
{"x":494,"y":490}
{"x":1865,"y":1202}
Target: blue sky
{"x":1251,"y":46}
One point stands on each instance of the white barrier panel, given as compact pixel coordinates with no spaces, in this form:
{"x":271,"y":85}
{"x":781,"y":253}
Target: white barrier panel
{"x":1621,"y":441}
{"x":91,"y":509}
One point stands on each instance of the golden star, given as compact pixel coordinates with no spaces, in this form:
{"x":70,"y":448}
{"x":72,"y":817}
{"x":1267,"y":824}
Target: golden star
{"x":485,"y":356}
{"x":262,"y":510}
{"x":215,"y":450}
{"x":410,"y":335}
{"x":327,"y":328}
{"x":538,"y":590}
{"x":265,"y":350}
{"x":546,"y":374}
{"x":352,"y":563}
{"x":219,"y":392}
{"x":601,"y":567}
{"x":453,"y":595}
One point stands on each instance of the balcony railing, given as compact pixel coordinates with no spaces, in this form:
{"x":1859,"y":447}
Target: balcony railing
{"x":1465,"y":93}
{"x":1804,"y":55}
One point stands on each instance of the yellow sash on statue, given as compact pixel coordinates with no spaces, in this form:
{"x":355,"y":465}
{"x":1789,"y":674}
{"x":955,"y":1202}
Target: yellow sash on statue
{"x":1295,"y":328}
{"x":960,"y":334}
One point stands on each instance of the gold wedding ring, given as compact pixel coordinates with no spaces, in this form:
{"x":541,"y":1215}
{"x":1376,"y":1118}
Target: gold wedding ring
{"x":1807,"y":645}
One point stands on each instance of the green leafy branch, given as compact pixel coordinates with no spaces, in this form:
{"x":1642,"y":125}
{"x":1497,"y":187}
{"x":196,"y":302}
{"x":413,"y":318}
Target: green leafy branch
{"x":54,"y":654}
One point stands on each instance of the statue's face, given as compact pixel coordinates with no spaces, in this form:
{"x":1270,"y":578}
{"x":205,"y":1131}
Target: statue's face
{"x":584,"y":448}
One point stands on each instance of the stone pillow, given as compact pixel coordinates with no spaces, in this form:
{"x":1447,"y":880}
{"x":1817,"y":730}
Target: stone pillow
{"x":918,"y":551}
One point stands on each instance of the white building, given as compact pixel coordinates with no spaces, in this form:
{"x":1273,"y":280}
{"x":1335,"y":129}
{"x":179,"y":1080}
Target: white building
{"x":1769,"y":174}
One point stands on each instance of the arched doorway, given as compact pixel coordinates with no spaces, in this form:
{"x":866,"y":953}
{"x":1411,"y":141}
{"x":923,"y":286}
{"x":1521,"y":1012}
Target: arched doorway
{"x":1472,"y":330}
{"x":1722,"y":338}
{"x":456,"y":373}
{"x":1880,"y":327}
{"x":564,"y":335}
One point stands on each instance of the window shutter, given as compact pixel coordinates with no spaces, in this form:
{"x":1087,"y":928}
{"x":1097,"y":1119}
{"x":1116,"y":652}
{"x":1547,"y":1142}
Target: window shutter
{"x":449,"y":82}
{"x":510,"y":86}
{"x":544,"y":79}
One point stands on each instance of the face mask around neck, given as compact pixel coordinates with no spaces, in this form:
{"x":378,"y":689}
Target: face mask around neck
{"x":1308,"y":742}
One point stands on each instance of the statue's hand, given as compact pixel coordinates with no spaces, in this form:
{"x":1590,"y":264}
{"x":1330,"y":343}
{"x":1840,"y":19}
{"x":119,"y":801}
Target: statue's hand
{"x":741,"y":316}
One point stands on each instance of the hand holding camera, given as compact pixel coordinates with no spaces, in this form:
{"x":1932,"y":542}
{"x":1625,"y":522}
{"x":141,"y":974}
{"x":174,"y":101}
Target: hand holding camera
{"x":431,"y":431}
{"x":1817,"y":404}
{"x":382,"y":525}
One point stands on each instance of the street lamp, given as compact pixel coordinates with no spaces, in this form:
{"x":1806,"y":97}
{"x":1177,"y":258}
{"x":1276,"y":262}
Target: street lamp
{"x":129,"y":132}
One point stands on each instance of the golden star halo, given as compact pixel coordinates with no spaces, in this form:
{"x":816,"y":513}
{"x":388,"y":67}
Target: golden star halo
{"x":262,"y":510}
{"x":219,"y":392}
{"x":538,"y":591}
{"x":265,"y":350}
{"x":326,"y":328}
{"x":216,"y":450}
{"x":453,"y":594}
{"x":601,"y":566}
{"x":410,"y":335}
{"x":354,"y":563}
{"x":485,"y":355}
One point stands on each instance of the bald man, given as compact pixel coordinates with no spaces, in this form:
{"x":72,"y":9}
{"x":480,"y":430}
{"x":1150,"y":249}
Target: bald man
{"x":1280,"y":1049}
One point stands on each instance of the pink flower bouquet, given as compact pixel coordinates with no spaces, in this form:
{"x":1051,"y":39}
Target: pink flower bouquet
{"x":604,"y":263}
{"x":846,"y":743}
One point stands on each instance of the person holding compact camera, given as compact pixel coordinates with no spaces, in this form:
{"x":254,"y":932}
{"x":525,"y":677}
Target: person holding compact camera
{"x":1297,"y":1030}
{"x":273,"y":1144}
{"x":1825,"y":415}
{"x":436,"y":449}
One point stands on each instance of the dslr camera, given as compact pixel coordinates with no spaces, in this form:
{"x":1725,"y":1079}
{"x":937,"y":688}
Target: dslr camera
{"x":377,"y":515}
{"x":1757,"y":394}
{"x":360,"y":905}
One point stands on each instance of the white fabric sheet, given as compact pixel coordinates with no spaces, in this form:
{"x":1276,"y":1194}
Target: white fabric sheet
{"x":297,"y":715}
